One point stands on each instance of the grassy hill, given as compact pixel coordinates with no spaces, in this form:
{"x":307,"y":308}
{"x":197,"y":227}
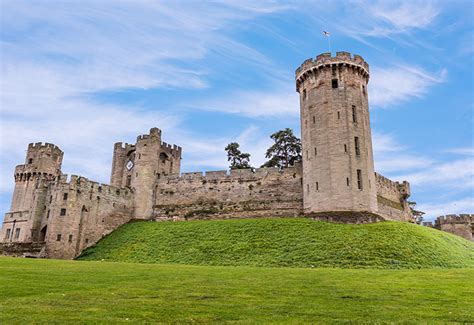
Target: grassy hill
{"x":285,"y":242}
{"x":75,"y":292}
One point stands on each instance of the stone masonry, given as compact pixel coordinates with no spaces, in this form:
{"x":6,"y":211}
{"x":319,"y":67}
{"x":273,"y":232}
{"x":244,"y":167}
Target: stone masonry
{"x":460,"y":225}
{"x":56,"y":216}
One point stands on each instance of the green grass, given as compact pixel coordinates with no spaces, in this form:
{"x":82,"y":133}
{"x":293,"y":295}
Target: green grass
{"x":284,"y":242}
{"x":64,"y":292}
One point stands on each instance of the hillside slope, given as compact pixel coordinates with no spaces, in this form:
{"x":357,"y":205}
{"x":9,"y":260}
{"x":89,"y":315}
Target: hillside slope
{"x":292,"y":242}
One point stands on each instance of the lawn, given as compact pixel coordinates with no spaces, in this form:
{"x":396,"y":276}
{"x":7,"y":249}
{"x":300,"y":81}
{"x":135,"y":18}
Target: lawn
{"x":53,"y":291}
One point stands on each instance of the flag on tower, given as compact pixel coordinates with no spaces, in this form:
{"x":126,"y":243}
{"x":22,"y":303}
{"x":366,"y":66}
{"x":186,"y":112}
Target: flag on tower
{"x":326,"y":33}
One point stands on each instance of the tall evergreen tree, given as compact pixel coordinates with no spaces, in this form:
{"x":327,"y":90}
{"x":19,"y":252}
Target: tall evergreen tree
{"x":238,"y":159}
{"x":286,"y":150}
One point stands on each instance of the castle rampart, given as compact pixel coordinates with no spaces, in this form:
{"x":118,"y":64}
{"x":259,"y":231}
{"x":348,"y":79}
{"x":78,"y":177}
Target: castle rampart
{"x":236,"y":194}
{"x":461,"y":225}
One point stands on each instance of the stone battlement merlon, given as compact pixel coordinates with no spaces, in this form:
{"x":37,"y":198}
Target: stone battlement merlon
{"x":454,"y":218}
{"x":75,"y":180}
{"x":154,"y":133}
{"x":125,"y":147}
{"x":41,"y":145}
{"x":310,"y":66}
{"x":402,"y":187}
{"x":173,"y":149}
{"x":232,"y":174}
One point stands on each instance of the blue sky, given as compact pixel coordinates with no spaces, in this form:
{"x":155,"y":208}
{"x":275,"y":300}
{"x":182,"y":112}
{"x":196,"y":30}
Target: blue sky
{"x":86,"y":74}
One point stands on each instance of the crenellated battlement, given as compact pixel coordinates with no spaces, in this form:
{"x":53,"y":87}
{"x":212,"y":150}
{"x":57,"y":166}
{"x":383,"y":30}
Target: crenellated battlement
{"x":172,"y":149}
{"x":403,"y":187}
{"x":122,"y":146}
{"x":154,"y":133}
{"x":325,"y":60}
{"x":454,"y":218}
{"x":74,"y":182}
{"x":234,"y":174}
{"x":41,"y":145}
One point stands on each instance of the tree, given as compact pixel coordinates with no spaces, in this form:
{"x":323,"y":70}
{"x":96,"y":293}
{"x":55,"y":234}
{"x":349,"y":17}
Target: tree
{"x":418,"y":215}
{"x":238,"y":159}
{"x":286,"y":150}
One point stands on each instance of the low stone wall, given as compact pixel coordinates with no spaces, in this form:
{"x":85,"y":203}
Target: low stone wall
{"x":23,"y":249}
{"x":263,"y":192}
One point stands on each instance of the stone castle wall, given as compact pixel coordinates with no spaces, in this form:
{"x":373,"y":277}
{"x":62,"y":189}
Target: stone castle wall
{"x":392,"y":199}
{"x":79,"y":212}
{"x":461,"y":225}
{"x":263,"y":192}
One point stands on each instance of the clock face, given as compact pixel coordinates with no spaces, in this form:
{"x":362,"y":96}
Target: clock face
{"x":129,"y":165}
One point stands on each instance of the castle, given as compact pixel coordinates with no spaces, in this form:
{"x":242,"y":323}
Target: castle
{"x":55,"y":216}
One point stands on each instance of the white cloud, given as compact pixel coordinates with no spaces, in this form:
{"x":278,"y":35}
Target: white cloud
{"x":433,"y":210}
{"x":66,"y":51}
{"x":277,"y":102}
{"x":402,"y":16}
{"x":395,"y":85}
{"x":456,"y":173}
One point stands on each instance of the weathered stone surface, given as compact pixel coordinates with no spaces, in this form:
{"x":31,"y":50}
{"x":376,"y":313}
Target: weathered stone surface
{"x":461,"y":225}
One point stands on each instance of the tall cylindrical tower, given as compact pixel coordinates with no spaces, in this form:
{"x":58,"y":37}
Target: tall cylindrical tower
{"x":43,"y":162}
{"x":338,"y":165}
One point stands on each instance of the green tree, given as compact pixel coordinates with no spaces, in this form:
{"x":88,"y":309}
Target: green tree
{"x":286,"y":150}
{"x":416,"y":213}
{"x":238,"y":159}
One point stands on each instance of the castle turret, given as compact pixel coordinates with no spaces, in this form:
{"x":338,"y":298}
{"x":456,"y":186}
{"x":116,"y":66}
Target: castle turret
{"x":43,"y":162}
{"x":338,"y":166}
{"x":42,"y":165}
{"x":139,"y":166}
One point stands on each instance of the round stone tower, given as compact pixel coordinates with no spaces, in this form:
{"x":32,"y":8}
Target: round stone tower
{"x":338,"y":165}
{"x":43,"y":162}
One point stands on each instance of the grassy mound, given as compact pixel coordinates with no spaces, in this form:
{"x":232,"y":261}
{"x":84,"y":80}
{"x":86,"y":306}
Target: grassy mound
{"x":284,"y":242}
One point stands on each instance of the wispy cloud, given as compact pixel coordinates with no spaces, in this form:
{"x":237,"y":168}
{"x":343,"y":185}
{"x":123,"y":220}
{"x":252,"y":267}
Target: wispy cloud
{"x":55,"y":56}
{"x":433,"y":210}
{"x":395,"y":85}
{"x":279,"y":101}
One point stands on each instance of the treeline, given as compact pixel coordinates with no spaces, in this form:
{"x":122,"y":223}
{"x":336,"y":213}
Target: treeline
{"x":284,"y":152}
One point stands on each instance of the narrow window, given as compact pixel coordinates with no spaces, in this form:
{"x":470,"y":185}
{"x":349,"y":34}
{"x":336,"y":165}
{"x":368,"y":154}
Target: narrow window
{"x":63,"y":212}
{"x":129,"y":180}
{"x":304,"y":93}
{"x":345,"y":148}
{"x":334,"y":83}
{"x":338,"y":115}
{"x":315,"y":151}
{"x":50,"y":199}
{"x":136,"y":174}
{"x":30,"y":161}
{"x":17,"y":233}
{"x":347,"y":181}
{"x":70,"y":239}
{"x":47,"y":214}
{"x":307,"y":154}
{"x":307,"y":188}
{"x":363,"y":89}
{"x":58,"y":237}
{"x":357,"y":147}
{"x":7,"y":235}
{"x":65,"y":196}
{"x":333,"y":70}
{"x":99,"y":189}
{"x":354,"y":114}
{"x":158,"y":176}
{"x":314,"y":119}
{"x":317,"y":186}
{"x":359,"y":179}
{"x":87,"y":240}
